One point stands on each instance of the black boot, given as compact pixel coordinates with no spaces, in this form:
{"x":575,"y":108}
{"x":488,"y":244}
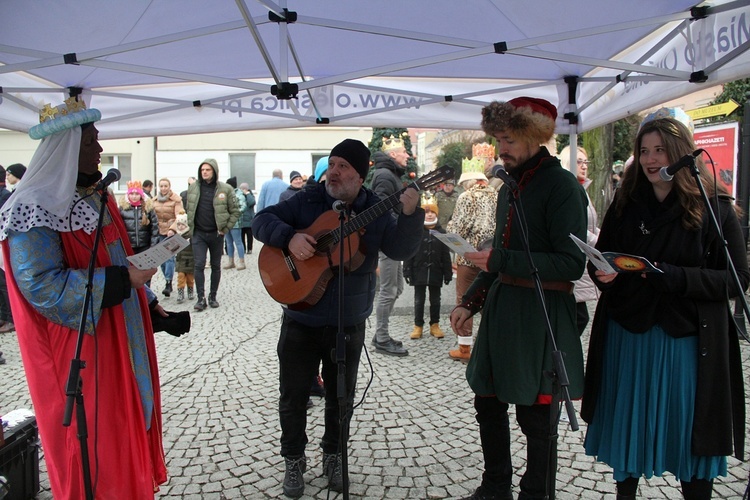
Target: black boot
{"x":167,"y":289}
{"x":332,"y":470}
{"x":294,"y":483}
{"x":494,"y":433}
{"x":212,"y":300}
{"x":626,"y":489}
{"x":200,"y":305}
{"x":697,"y":489}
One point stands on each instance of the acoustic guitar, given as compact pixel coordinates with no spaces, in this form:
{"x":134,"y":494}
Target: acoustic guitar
{"x":301,"y":283}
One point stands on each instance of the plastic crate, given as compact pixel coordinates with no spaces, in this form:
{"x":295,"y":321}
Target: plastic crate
{"x":19,"y":458}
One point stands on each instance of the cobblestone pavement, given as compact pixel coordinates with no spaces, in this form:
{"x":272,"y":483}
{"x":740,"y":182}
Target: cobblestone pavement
{"x":414,"y":436}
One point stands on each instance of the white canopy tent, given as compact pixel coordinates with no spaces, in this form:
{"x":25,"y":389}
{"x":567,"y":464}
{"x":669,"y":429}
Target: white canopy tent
{"x":164,"y":67}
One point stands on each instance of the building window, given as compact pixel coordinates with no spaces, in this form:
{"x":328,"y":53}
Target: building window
{"x":121,"y":163}
{"x":242,"y":166}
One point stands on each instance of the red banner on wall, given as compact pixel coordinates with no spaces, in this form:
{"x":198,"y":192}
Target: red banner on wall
{"x":721,"y":144}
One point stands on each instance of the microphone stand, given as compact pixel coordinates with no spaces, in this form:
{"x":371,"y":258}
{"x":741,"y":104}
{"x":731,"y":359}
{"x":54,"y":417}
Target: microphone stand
{"x":74,"y":384}
{"x":740,"y":299}
{"x":340,"y":358}
{"x":730,"y":263}
{"x":558,"y":374}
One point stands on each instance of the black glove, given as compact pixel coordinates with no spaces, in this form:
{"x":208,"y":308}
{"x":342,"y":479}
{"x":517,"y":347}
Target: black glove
{"x":447,"y":281}
{"x":176,"y":323}
{"x":407,"y":279}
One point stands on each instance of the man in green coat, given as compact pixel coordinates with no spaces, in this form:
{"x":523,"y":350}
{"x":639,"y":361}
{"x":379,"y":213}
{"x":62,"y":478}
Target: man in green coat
{"x":213,"y":210}
{"x":512,"y":351}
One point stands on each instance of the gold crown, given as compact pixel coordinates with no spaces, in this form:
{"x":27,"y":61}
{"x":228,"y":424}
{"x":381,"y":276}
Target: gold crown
{"x":475,"y":165}
{"x":70,"y":106}
{"x":483,"y":150}
{"x":428,"y":199}
{"x":393,"y":142}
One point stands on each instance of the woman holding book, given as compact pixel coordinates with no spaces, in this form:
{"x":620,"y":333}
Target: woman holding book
{"x":664,"y":388}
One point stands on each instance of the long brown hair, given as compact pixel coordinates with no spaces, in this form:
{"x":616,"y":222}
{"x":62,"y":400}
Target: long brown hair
{"x":678,"y":142}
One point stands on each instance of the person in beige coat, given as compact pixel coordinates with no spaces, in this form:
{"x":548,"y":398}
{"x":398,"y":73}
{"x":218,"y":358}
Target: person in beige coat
{"x":168,"y":205}
{"x":474,"y":220}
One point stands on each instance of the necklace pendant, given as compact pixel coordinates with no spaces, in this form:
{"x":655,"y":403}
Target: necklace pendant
{"x":643,"y":229}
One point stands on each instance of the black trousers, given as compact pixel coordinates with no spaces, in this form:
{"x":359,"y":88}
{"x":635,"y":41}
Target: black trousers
{"x":205,"y":243}
{"x":5,"y":312}
{"x":419,"y":298}
{"x":541,"y":455}
{"x":301,"y":349}
{"x":247,"y":238}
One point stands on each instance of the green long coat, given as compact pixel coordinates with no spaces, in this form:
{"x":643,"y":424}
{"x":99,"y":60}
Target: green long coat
{"x":512,"y":351}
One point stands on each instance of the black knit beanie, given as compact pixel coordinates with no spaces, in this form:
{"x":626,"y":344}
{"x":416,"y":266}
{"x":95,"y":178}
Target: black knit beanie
{"x":356,"y":153}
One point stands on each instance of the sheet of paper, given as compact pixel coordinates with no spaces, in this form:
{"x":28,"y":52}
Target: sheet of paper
{"x":454,"y":242}
{"x":594,"y":255}
{"x":158,"y":254}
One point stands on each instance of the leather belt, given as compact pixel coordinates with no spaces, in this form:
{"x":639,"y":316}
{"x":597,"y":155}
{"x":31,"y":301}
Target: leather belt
{"x":558,"y":286}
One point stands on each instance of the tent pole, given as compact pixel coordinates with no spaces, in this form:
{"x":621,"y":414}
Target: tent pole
{"x":572,"y":117}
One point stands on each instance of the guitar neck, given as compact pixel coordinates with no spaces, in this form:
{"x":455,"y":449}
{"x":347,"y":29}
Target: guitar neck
{"x":361,"y":220}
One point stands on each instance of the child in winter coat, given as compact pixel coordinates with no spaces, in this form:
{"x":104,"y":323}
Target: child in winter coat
{"x":429,"y":268}
{"x":184,"y":262}
{"x":140,"y":220}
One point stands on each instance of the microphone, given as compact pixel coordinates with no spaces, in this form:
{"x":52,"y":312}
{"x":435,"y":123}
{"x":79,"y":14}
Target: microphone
{"x":339,"y":206}
{"x":667,"y":173}
{"x":502,"y":174}
{"x":113,"y":175}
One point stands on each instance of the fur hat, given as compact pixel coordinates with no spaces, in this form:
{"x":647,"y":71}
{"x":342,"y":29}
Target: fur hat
{"x":356,"y":153}
{"x":526,"y":117}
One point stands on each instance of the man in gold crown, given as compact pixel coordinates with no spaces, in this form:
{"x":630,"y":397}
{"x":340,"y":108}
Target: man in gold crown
{"x":474,"y":220}
{"x":48,"y":228}
{"x":388,"y":167}
{"x":512,"y":353}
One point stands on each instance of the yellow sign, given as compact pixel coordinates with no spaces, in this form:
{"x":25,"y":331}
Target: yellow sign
{"x":722,"y":109}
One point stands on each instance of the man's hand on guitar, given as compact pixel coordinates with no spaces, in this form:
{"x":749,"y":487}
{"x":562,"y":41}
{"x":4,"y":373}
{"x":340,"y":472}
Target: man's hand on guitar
{"x":302,"y":246}
{"x":409,"y":199}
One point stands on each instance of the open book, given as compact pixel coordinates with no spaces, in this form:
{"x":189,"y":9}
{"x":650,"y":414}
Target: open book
{"x":615,"y":262}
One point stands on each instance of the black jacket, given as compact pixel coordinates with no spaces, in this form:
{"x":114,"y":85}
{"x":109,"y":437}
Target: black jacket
{"x":386,"y":177}
{"x":690,"y":298}
{"x":431,"y":265}
{"x":141,"y":236}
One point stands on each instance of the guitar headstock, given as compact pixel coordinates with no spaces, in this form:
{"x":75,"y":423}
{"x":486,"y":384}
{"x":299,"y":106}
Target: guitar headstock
{"x":435,"y":177}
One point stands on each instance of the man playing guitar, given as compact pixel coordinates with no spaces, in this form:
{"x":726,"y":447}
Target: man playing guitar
{"x":308,"y":331}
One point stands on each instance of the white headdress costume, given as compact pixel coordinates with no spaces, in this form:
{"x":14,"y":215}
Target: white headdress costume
{"x":46,"y":195}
